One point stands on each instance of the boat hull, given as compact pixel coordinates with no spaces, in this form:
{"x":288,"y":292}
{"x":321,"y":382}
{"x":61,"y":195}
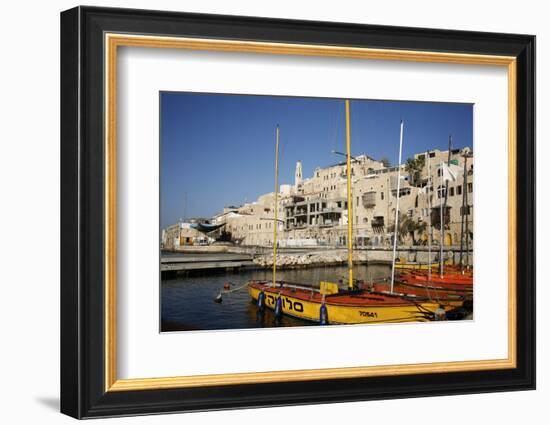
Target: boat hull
{"x":341,"y":311}
{"x":445,"y":298}
{"x":456,"y":284}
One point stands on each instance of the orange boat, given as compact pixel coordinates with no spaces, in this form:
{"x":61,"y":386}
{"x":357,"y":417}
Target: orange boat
{"x":418,"y":293}
{"x":455,"y":279}
{"x":456,"y":269}
{"x":439,"y":284}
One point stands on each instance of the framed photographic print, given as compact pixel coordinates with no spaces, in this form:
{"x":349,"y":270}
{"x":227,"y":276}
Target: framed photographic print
{"x":261,"y":212}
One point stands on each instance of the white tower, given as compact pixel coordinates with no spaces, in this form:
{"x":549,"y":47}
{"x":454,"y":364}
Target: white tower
{"x":298,"y":174}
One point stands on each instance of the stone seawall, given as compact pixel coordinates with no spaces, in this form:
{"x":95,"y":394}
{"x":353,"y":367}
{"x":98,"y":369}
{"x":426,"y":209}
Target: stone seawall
{"x":340,"y":257}
{"x":322,"y":256}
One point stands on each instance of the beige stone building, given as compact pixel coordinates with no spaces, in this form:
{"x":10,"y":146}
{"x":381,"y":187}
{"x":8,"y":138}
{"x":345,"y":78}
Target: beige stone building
{"x":181,"y":234}
{"x":375,"y":202}
{"x":313,"y":211}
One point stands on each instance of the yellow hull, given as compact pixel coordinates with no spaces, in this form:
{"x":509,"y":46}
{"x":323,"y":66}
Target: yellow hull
{"x":345,"y":314}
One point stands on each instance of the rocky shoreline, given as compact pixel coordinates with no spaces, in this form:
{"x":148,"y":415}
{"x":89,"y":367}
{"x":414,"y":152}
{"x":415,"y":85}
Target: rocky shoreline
{"x":309,"y":259}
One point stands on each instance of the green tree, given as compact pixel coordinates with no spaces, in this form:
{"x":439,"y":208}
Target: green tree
{"x":410,"y":227}
{"x":414,"y":167}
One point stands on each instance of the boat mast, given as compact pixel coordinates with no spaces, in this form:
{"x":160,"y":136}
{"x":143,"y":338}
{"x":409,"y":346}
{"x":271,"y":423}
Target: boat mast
{"x":441,"y":225}
{"x":467,"y":213}
{"x":397,"y":206}
{"x":444,"y":203}
{"x":276,"y":207}
{"x":463,"y":214}
{"x":350,"y":199}
{"x":429,"y":189}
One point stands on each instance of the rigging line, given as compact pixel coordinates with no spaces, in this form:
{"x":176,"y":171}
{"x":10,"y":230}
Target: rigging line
{"x":228,"y":291}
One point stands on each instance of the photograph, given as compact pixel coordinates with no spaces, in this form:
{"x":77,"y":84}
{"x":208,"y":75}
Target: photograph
{"x":282,"y":211}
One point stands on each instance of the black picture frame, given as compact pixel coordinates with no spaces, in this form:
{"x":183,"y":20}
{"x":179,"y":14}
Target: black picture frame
{"x":83,"y":392}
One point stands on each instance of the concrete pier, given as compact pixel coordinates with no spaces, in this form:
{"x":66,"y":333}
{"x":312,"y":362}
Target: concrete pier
{"x":189,"y":262}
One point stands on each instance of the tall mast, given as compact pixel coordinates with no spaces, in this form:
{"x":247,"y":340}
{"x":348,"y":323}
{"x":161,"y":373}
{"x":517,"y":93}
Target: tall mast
{"x":397,"y":206}
{"x":445,"y":204}
{"x":350,"y":199}
{"x":463,"y":210}
{"x":276,"y":207}
{"x":467,"y":212}
{"x":430,"y":219}
{"x":441,"y":225}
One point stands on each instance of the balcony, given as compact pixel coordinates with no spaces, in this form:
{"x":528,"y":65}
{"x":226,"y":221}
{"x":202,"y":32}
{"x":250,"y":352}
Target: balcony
{"x":377,"y":221}
{"x":369,"y":199}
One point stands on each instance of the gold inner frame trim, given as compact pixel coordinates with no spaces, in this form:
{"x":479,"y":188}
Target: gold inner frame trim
{"x":113,"y":41}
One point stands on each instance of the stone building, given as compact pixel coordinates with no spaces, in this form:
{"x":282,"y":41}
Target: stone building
{"x":313,"y":211}
{"x":181,"y":234}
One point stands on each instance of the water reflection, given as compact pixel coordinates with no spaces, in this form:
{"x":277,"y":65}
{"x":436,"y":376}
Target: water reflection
{"x":188,"y":303}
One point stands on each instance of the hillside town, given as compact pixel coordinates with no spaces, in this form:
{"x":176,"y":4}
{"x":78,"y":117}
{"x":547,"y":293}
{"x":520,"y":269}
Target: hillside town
{"x":312,"y":212}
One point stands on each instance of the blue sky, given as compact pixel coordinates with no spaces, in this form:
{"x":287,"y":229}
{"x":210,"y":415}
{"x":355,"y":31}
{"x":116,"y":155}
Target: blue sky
{"x":219,"y":150}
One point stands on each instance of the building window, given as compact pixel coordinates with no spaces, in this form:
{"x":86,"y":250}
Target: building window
{"x":470,"y":187}
{"x":459,"y":190}
{"x":382,"y":196}
{"x":452,"y":191}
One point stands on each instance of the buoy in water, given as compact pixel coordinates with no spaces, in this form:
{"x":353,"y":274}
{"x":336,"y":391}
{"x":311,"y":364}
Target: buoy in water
{"x":261,"y":301}
{"x":278,"y":307}
{"x":323,"y":315}
{"x":218,"y":298}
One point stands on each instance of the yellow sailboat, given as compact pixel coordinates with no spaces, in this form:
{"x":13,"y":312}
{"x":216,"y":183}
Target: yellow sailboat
{"x":328,"y":303}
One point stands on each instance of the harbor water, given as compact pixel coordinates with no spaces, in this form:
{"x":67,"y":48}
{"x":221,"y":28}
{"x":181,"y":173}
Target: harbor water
{"x":187,"y":303}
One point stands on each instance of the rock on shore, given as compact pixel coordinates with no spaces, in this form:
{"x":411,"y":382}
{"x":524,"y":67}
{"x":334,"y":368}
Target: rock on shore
{"x":309,"y":259}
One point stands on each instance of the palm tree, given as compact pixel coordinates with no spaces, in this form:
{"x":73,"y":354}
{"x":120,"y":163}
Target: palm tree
{"x":410,"y":227}
{"x":414,"y":167}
